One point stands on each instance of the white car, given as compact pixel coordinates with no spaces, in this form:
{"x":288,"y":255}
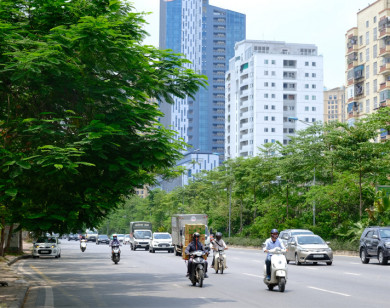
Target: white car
{"x":127,"y":239}
{"x":47,"y":246}
{"x":161,"y":241}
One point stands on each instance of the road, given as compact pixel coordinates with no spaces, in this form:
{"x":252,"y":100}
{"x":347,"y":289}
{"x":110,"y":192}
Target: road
{"x":143,"y":279}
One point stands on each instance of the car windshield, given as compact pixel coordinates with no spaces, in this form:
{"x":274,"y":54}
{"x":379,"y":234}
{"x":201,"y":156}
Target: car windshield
{"x":162,"y":236}
{"x":46,"y":240}
{"x":305,"y":240}
{"x":127,"y":236}
{"x":142,"y":234}
{"x":103,"y":236}
{"x":121,"y":235}
{"x":301,"y":232}
{"x":384,"y":233}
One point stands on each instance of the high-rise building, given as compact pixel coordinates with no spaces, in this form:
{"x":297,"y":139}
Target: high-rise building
{"x":273,"y":89}
{"x":368,"y":61}
{"x":334,"y":105}
{"x":206,"y":35}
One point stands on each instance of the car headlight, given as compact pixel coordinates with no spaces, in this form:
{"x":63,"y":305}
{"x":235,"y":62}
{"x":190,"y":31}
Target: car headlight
{"x":305,"y":250}
{"x":328,"y":249}
{"x":387,"y":244}
{"x":36,"y":246}
{"x":53,"y":246}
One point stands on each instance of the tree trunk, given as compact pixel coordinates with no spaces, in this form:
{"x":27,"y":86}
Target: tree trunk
{"x":11,"y":228}
{"x":2,"y":233}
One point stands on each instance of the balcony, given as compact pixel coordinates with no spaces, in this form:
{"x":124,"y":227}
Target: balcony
{"x":246,"y":148}
{"x":385,"y":69}
{"x":384,"y":32}
{"x":385,"y":103}
{"x":384,"y":85}
{"x":352,"y":64}
{"x":384,"y":51}
{"x":244,"y":93}
{"x":246,"y":125}
{"x":244,"y":104}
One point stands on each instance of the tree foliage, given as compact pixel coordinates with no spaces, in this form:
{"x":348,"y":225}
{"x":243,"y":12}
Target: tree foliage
{"x":78,"y":113}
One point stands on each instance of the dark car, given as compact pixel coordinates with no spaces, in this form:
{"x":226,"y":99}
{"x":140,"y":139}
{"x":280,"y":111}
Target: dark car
{"x":102,"y":238}
{"x":73,"y":237}
{"x":375,"y":243}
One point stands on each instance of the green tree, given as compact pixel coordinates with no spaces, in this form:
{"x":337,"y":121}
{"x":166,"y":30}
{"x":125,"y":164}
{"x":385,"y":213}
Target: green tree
{"x":78,"y":119}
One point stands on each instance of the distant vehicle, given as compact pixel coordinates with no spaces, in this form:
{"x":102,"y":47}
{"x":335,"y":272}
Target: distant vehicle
{"x":91,"y":235}
{"x":121,"y":237}
{"x":102,"y":238}
{"x":375,"y":243}
{"x":127,"y":239}
{"x":286,"y":234}
{"x":46,"y":246}
{"x":140,"y":234}
{"x":161,"y":241}
{"x":73,"y":237}
{"x":308,"y":248}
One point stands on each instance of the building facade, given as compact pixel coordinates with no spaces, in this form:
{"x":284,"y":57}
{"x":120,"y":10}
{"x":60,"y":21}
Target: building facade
{"x":368,"y":61}
{"x":334,"y":105}
{"x":206,"y":35}
{"x":273,"y":89}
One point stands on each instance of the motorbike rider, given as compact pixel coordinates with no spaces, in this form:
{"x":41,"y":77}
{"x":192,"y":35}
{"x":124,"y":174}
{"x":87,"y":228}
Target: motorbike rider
{"x":272,"y":243}
{"x":115,"y":241}
{"x":194,"y":246}
{"x":218,"y":242}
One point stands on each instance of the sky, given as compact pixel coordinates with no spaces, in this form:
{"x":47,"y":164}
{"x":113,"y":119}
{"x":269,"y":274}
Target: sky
{"x":320,"y":22}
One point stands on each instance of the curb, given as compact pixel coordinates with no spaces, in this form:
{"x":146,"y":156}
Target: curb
{"x":9,"y":263}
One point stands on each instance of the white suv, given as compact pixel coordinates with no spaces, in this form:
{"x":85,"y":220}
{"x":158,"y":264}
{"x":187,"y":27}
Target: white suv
{"x":161,"y":241}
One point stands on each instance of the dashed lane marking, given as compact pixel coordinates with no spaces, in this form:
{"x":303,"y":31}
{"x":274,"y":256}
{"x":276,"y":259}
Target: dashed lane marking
{"x":328,"y":291}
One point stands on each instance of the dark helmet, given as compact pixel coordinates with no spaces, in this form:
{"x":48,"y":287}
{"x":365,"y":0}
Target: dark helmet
{"x":274,"y":231}
{"x":218,"y":236}
{"x":195,"y":236}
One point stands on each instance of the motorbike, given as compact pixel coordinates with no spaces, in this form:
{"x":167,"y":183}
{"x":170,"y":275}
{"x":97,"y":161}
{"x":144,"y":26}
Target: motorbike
{"x":278,"y":270}
{"x":83,"y":245}
{"x":219,"y":260}
{"x":197,"y":269}
{"x":115,"y":254}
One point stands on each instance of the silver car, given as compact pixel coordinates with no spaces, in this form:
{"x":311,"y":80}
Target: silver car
{"x":286,"y":234}
{"x":308,"y":249}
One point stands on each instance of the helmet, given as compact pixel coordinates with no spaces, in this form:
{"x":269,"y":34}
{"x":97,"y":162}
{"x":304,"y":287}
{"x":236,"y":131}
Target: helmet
{"x":195,"y":236}
{"x":114,"y":236}
{"x":218,"y":236}
{"x":274,"y":231}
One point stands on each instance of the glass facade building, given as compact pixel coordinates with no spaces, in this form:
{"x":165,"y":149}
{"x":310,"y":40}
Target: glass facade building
{"x":206,"y":35}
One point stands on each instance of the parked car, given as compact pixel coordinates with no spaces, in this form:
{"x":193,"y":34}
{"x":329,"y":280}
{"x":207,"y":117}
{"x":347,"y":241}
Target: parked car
{"x":102,"y":238}
{"x":305,"y":248}
{"x":286,"y":234}
{"x":127,"y":239}
{"x":161,"y":241}
{"x":73,"y":237}
{"x":46,"y":246}
{"x":375,"y":243}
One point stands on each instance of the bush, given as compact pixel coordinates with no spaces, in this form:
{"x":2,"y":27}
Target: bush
{"x":244,"y":241}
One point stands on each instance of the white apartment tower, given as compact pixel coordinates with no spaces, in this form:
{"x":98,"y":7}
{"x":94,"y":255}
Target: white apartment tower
{"x":272,"y":90}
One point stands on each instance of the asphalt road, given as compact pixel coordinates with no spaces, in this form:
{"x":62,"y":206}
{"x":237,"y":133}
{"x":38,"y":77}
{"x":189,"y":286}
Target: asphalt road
{"x":143,"y":279}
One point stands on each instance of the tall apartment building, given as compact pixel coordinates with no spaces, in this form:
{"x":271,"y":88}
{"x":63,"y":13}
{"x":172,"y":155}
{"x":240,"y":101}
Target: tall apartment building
{"x":273,"y":89}
{"x":334,"y":105}
{"x":368,"y":61}
{"x":206,"y":35}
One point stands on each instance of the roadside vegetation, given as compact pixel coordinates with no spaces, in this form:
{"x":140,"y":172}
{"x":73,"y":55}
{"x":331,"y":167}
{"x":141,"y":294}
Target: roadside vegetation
{"x":334,"y":169}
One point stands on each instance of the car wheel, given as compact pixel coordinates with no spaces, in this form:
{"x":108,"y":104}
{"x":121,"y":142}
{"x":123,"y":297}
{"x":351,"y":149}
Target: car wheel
{"x":297,"y":260}
{"x":363,"y":256}
{"x":381,"y":258}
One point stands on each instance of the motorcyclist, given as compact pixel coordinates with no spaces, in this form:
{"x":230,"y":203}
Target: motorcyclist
{"x":218,"y":242}
{"x":194,"y":246}
{"x":272,"y":243}
{"x":115,"y":241}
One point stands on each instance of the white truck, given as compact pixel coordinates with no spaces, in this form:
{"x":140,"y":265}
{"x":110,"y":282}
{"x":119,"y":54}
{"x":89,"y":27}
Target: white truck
{"x":178,"y":230}
{"x":140,"y":234}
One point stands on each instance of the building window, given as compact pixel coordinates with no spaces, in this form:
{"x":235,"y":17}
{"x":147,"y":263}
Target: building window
{"x":306,"y":108}
{"x":375,"y":85}
{"x":273,"y":84}
{"x":368,"y":54}
{"x":313,"y":108}
{"x":272,"y":118}
{"x":291,"y":130}
{"x":361,"y":57}
{"x":367,"y":38}
{"x":313,"y":64}
{"x":265,"y":73}
{"x":306,"y":74}
{"x":272,"y":129}
{"x":374,"y":51}
{"x":375,"y":33}
{"x":273,"y":107}
{"x":375,"y":102}
{"x":284,"y":141}
{"x":313,"y":75}
{"x":265,"y":95}
{"x":313,"y":119}
{"x":374,"y":19}
{"x":265,"y":118}
{"x":306,"y":97}
{"x":273,"y":62}
{"x":265,"y":61}
{"x":361,"y":40}
{"x":307,"y":86}
{"x":367,"y":88}
{"x":367,"y":106}
{"x":273,"y":73}
{"x":306,"y":63}
{"x":272,"y":95}
{"x":313,"y":98}
{"x":306,"y":119}
{"x":265,"y":106}
{"x":265,"y":129}
{"x":367,"y":71}
{"x":374,"y":68}
{"x":367,"y":24}
{"x":265,"y":84}
{"x":265,"y":140}
{"x":273,"y":140}
{"x":313,"y":86}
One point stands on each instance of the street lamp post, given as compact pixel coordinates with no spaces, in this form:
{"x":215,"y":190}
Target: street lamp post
{"x":314,"y":175}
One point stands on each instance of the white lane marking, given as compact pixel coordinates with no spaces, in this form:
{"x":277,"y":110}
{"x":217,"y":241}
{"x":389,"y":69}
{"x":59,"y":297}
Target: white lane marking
{"x":355,"y":274}
{"x":49,"y":301}
{"x":176,"y":285}
{"x":252,"y":275}
{"x":312,"y":268}
{"x":323,"y":290}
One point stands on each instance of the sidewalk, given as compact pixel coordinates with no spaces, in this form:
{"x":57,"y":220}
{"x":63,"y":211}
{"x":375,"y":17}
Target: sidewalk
{"x":13,"y":295}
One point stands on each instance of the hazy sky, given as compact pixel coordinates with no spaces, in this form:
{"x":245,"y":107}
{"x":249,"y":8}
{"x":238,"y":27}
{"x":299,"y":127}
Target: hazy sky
{"x":320,"y":22}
